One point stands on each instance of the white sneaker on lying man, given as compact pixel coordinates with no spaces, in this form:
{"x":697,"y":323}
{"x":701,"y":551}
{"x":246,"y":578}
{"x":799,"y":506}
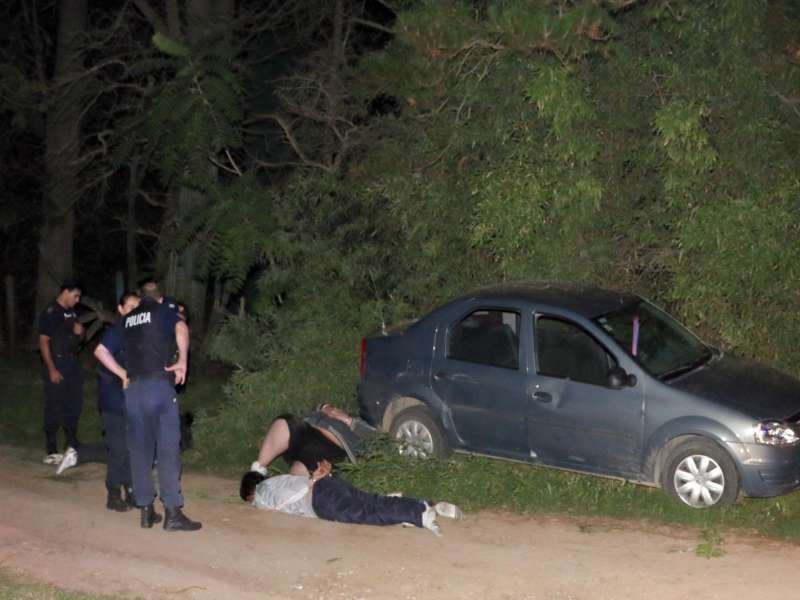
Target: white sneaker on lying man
{"x":449,"y":510}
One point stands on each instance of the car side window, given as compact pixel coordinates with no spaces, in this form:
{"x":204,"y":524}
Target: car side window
{"x":486,"y":336}
{"x":565,"y":350}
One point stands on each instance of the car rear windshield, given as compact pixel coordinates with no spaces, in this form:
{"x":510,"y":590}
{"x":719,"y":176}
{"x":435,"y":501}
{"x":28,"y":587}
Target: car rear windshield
{"x":658,"y":342}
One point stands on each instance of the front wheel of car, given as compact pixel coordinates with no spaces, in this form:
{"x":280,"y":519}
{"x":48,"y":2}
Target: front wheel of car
{"x":418,"y":434}
{"x":700,"y":474}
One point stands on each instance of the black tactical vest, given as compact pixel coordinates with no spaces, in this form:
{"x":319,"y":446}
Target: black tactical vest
{"x":147,"y":348}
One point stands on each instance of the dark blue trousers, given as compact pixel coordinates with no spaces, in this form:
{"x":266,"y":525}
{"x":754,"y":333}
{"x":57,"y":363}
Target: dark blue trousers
{"x":118,"y":469}
{"x":154,"y":433}
{"x":63,"y":402}
{"x":334,"y":499}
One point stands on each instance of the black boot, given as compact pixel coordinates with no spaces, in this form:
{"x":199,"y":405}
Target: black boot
{"x":149,"y":516}
{"x":115,"y":501}
{"x":177,"y":521}
{"x":130,"y":499}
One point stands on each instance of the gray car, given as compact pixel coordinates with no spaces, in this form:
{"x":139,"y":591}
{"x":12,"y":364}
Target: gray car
{"x":589,"y":380}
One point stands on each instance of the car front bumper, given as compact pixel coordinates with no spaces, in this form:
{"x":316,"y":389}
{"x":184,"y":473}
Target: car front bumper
{"x":766,"y":470}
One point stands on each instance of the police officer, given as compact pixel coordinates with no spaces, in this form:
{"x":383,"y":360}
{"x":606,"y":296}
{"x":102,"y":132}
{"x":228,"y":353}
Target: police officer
{"x":150,"y":335}
{"x":59,"y":336}
{"x":111,"y":402}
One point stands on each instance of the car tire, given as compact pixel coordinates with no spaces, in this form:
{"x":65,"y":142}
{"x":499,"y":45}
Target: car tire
{"x":700,"y":474}
{"x":418,"y":434}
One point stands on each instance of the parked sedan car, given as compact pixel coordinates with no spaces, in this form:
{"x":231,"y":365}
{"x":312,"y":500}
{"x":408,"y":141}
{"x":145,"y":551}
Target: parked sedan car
{"x":585,"y":379}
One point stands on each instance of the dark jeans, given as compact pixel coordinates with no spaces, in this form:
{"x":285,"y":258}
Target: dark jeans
{"x":154,"y":432}
{"x":63,"y":403}
{"x":334,"y":499}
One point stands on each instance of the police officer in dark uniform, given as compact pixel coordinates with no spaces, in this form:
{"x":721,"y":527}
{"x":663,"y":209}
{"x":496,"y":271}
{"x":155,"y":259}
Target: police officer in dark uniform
{"x":150,"y":335}
{"x":111,"y":402}
{"x":59,"y":336}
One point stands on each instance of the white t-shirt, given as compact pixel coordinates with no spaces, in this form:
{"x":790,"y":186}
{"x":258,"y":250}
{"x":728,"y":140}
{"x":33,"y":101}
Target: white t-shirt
{"x":285,"y":493}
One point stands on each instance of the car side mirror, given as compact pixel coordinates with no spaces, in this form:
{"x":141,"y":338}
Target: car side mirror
{"x":618,"y":379}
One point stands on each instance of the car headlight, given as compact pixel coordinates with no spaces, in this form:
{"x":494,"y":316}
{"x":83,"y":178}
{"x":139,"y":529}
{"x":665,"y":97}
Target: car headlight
{"x":775,"y":433}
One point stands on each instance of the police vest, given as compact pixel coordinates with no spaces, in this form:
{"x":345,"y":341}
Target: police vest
{"x":147,"y":348}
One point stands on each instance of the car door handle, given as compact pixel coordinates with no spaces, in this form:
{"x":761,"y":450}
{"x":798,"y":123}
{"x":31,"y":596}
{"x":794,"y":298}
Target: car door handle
{"x":541,"y":396}
{"x":440,"y":375}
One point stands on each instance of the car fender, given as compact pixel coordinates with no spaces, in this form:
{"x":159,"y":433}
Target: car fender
{"x":421,"y":395}
{"x":670,"y":434}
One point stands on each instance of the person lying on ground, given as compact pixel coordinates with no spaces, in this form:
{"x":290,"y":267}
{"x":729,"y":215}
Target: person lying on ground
{"x":328,"y":434}
{"x":327,"y":497}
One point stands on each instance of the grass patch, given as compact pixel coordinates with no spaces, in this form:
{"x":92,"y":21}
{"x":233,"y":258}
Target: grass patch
{"x":477,"y":483}
{"x":16,"y":587}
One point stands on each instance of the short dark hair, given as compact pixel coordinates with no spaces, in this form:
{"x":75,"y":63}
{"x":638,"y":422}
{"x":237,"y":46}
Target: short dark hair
{"x":149,"y":287}
{"x":249,"y":482}
{"x":126,"y":296}
{"x":69,"y":286}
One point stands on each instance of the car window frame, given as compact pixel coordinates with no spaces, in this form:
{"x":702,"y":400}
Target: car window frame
{"x":487,"y":307}
{"x":557,"y":317}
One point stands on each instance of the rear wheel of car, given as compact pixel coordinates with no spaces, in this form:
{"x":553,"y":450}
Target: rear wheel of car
{"x":418,"y":434}
{"x":700,"y":474}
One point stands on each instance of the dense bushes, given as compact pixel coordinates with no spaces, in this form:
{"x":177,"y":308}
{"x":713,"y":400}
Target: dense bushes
{"x":649,"y":146}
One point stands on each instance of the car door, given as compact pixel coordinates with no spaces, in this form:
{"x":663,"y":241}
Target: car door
{"x":575,"y":419}
{"x":479,"y":372}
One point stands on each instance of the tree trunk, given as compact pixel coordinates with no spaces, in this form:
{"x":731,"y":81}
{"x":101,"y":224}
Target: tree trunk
{"x":131,"y":227}
{"x":63,"y":144}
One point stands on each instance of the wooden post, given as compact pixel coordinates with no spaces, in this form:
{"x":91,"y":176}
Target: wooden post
{"x":11,"y":317}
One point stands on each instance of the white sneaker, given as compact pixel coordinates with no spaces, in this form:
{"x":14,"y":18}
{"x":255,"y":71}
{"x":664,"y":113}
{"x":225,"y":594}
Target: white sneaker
{"x":446,"y":509}
{"x":70,"y":459}
{"x":429,"y":520}
{"x":53,"y":459}
{"x":258,"y":468}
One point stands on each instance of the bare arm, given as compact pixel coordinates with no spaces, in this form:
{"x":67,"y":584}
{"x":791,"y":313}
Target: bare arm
{"x":47,"y":357}
{"x":109,"y":362}
{"x":182,"y":339}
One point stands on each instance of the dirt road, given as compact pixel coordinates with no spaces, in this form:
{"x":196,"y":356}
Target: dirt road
{"x":56,"y":529}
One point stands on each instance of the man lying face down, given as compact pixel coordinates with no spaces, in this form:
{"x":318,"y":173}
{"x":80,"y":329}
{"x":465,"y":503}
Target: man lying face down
{"x":326,"y":497}
{"x":309,"y":446}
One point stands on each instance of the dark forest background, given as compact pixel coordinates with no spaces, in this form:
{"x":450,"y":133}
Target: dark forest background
{"x":301,"y":172}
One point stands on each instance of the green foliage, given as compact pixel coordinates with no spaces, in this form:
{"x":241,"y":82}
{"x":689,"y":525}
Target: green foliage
{"x":197,"y":111}
{"x":640,"y":145}
{"x":243,"y":342}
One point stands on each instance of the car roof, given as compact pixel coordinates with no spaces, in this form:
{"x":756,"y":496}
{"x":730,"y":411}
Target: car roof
{"x":586,"y":300}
